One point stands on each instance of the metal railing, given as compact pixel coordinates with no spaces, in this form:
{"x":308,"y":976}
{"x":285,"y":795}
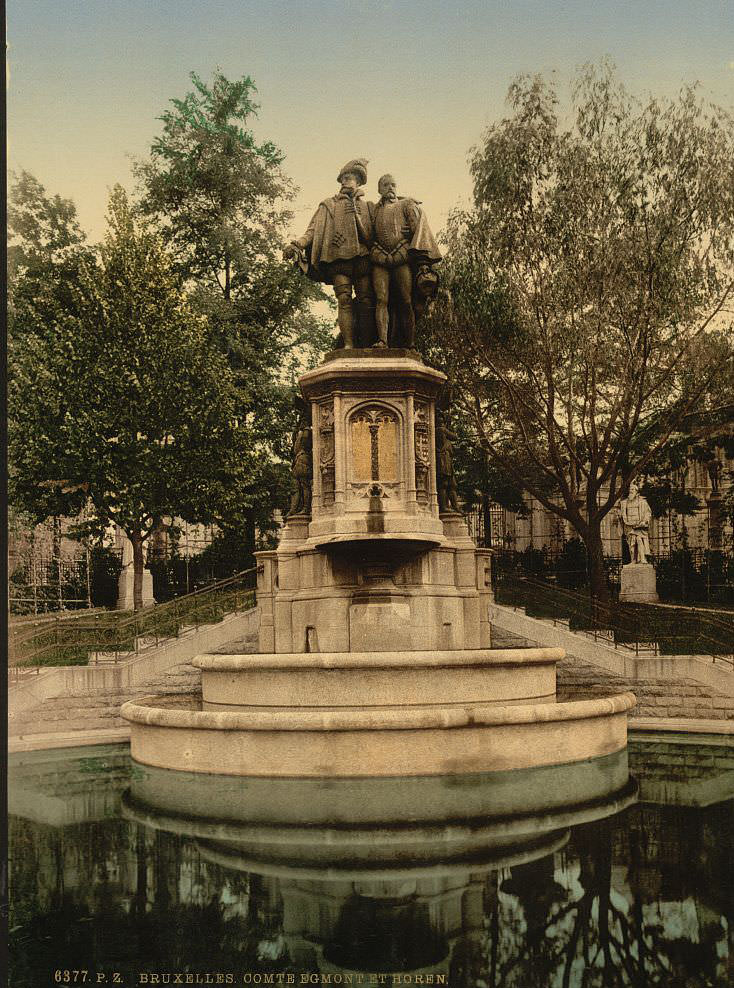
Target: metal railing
{"x":703,"y":576}
{"x":110,"y":636}
{"x":639,"y":628}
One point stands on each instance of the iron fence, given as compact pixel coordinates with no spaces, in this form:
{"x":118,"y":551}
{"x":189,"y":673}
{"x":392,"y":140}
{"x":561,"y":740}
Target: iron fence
{"x":690,"y":576}
{"x":41,"y":584}
{"x":108,"y":636}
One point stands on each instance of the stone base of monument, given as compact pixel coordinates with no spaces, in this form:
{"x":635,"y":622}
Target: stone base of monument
{"x":638,"y":584}
{"x":375,"y":655}
{"x":379,"y":592}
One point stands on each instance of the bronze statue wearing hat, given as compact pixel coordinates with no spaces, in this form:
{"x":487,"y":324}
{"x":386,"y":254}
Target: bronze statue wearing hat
{"x":335,"y":250}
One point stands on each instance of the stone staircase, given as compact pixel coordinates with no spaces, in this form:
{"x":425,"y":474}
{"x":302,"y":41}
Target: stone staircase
{"x":642,"y":669}
{"x":680,"y":698}
{"x":99,"y":711}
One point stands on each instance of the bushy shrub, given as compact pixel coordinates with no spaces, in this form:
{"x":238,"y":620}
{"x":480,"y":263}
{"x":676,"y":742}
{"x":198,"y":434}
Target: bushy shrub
{"x":533,"y":562}
{"x":105,"y":568}
{"x":571,"y":565}
{"x":717,"y":577}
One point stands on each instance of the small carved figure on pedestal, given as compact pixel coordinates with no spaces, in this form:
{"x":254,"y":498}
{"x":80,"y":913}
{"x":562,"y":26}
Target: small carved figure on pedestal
{"x":448,"y":498}
{"x":335,"y":250}
{"x":302,"y":470}
{"x":715,"y":469}
{"x":635,"y":513}
{"x":403,"y":255}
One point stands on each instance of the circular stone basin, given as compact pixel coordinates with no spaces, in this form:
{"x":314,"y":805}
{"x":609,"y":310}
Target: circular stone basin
{"x":402,"y":741}
{"x":348,"y":680}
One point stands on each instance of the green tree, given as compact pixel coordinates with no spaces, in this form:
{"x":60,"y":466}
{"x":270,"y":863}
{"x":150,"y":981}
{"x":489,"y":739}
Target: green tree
{"x":46,"y":250}
{"x":221,"y":198}
{"x":122,"y":400}
{"x":588,"y":290}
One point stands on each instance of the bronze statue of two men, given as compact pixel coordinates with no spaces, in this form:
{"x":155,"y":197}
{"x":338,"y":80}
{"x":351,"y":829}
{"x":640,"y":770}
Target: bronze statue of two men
{"x":379,"y":257}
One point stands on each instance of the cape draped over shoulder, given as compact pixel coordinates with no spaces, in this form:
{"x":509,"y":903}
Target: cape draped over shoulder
{"x":332,"y":236}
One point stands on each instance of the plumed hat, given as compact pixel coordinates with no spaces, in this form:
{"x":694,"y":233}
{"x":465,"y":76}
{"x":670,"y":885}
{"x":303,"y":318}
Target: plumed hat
{"x":358,"y":166}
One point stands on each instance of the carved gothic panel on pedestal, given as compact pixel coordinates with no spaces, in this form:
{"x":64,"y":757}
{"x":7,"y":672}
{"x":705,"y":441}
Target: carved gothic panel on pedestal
{"x":422,"y":451}
{"x":326,"y":452}
{"x":374,"y":448}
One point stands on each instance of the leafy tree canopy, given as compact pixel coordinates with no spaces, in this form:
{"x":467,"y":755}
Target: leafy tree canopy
{"x":220,"y":198}
{"x":46,"y":249}
{"x":123,"y":401}
{"x":588,"y":290}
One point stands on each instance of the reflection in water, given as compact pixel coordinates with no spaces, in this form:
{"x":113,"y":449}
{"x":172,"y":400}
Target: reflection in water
{"x":119,"y":868}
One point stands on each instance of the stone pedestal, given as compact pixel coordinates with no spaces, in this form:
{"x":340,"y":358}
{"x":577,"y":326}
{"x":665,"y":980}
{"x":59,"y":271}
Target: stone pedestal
{"x":374,"y":645}
{"x":638,"y":584}
{"x":125,"y":599}
{"x":375,"y":567}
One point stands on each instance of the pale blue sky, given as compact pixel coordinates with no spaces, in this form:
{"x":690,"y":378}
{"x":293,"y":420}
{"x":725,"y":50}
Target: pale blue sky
{"x":408,"y":84}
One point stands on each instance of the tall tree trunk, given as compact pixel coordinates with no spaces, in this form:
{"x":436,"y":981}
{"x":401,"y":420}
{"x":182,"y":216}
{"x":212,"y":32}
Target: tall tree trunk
{"x":598,"y":584}
{"x":137,"y":540}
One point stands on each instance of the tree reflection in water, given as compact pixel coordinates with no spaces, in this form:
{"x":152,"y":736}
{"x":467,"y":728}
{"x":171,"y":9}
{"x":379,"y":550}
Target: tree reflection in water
{"x":643,"y":898}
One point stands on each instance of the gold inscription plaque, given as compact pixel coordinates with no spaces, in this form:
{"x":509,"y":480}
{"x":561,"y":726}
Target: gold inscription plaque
{"x":374,"y":446}
{"x":361,"y":450}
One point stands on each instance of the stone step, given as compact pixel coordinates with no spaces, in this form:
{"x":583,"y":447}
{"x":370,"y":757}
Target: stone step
{"x":240,"y":646}
{"x":100,"y":710}
{"x":89,"y":700}
{"x":176,"y":678}
{"x":71,"y":725}
{"x":62,"y":716}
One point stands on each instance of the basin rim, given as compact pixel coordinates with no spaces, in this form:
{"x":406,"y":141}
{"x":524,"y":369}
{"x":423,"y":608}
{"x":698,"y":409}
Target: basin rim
{"x":223,"y":662}
{"x":143,"y":711}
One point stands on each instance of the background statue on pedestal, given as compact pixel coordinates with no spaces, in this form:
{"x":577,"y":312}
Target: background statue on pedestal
{"x":448,"y":498}
{"x":335,"y":250}
{"x":635,"y":513}
{"x":403,"y":255}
